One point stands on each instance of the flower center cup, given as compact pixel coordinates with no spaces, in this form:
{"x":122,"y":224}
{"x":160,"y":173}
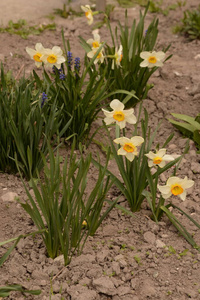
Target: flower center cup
{"x":152,"y":59}
{"x":95,"y":44}
{"x":37,"y":56}
{"x":157,"y":160}
{"x":88,"y":14}
{"x":176,"y":189}
{"x":118,"y":116}
{"x":121,"y":56}
{"x":129,"y":147}
{"x":52,"y":59}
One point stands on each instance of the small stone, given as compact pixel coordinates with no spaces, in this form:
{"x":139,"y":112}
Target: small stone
{"x":149,"y":237}
{"x":121,"y":260}
{"x":160,"y":244}
{"x":195,"y":167}
{"x":39,"y":275}
{"x":116,"y":267}
{"x":59,"y":260}
{"x":9,"y":197}
{"x":105,"y":285}
{"x":195,"y":90}
{"x":102,"y":255}
{"x":123,"y":290}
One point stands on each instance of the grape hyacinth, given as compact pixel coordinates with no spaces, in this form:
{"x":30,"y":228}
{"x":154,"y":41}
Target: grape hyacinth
{"x":77,"y":65}
{"x":69,"y":59}
{"x":62,"y":76}
{"x":44,"y":97}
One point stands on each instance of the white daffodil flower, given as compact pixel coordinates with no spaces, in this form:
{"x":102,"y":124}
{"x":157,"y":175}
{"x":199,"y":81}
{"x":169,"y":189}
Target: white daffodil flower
{"x":152,"y":59}
{"x":119,"y":115}
{"x":129,"y":146}
{"x":100,"y":57}
{"x":117,"y":57}
{"x":95,"y":42}
{"x":88,"y":13}
{"x":176,"y":186}
{"x":53,"y":57}
{"x":159,"y":158}
{"x":36,"y":54}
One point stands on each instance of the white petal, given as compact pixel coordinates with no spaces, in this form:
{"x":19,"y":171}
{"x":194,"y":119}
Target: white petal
{"x":108,"y":120}
{"x":186,"y":184}
{"x":150,"y":163}
{"x":61,"y":60}
{"x":31,"y":52}
{"x":173,"y":180}
{"x":161,"y":152}
{"x":183,"y":195}
{"x":57,"y":50}
{"x":122,"y":140}
{"x":162,"y":164}
{"x":151,"y":155}
{"x":90,"y":54}
{"x":84,"y":8}
{"x":164,"y":189}
{"x":107,"y":113}
{"x":130,"y":156}
{"x":121,"y":124}
{"x":144,"y":64}
{"x":128,"y":112}
{"x":39,"y":47}
{"x":38,"y":64}
{"x":131,"y":119}
{"x":137,"y":140}
{"x":166,"y":196}
{"x":160,"y":55}
{"x":121,"y":151}
{"x":157,"y":64}
{"x":96,"y":37}
{"x":90,"y":41}
{"x":90,"y":19}
{"x":116,"y":105}
{"x":168,"y":157}
{"x":145,"y":54}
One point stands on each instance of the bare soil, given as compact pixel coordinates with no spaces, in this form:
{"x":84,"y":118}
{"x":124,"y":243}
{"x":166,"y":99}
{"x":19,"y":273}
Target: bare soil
{"x":128,"y":258}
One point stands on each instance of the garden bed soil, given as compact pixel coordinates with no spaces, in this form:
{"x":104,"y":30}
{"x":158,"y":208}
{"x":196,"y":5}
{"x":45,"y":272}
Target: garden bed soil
{"x":128,"y":258}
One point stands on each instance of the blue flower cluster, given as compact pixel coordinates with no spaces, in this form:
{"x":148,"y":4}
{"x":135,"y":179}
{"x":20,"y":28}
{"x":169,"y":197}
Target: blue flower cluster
{"x":44,"y":98}
{"x":77,"y":64}
{"x":60,"y":72}
{"x":69,"y":59}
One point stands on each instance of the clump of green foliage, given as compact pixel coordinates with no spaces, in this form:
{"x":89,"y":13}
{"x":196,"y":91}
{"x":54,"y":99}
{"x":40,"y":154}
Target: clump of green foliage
{"x":154,"y":6}
{"x":22,"y":28}
{"x":190,"y":127}
{"x":66,"y":12}
{"x":191,"y":24}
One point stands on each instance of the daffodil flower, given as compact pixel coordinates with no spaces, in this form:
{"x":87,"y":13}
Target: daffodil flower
{"x":152,"y":59}
{"x":117,"y":57}
{"x":94,"y":43}
{"x":176,"y":186}
{"x":159,"y":158}
{"x":129,"y":146}
{"x":88,"y":13}
{"x":119,"y":115}
{"x":53,"y":57}
{"x":36,"y":54}
{"x":100,"y":57}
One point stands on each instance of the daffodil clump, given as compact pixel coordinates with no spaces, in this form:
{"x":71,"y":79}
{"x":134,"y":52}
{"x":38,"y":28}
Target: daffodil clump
{"x":140,"y":167}
{"x":48,"y":57}
{"x":130,"y":62}
{"x":139,"y":159}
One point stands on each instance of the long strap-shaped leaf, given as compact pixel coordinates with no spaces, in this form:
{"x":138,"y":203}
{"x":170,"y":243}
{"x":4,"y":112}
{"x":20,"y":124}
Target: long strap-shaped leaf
{"x":180,"y":227}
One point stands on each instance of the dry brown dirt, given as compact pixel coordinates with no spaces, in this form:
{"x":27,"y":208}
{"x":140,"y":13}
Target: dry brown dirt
{"x":128,"y":258}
